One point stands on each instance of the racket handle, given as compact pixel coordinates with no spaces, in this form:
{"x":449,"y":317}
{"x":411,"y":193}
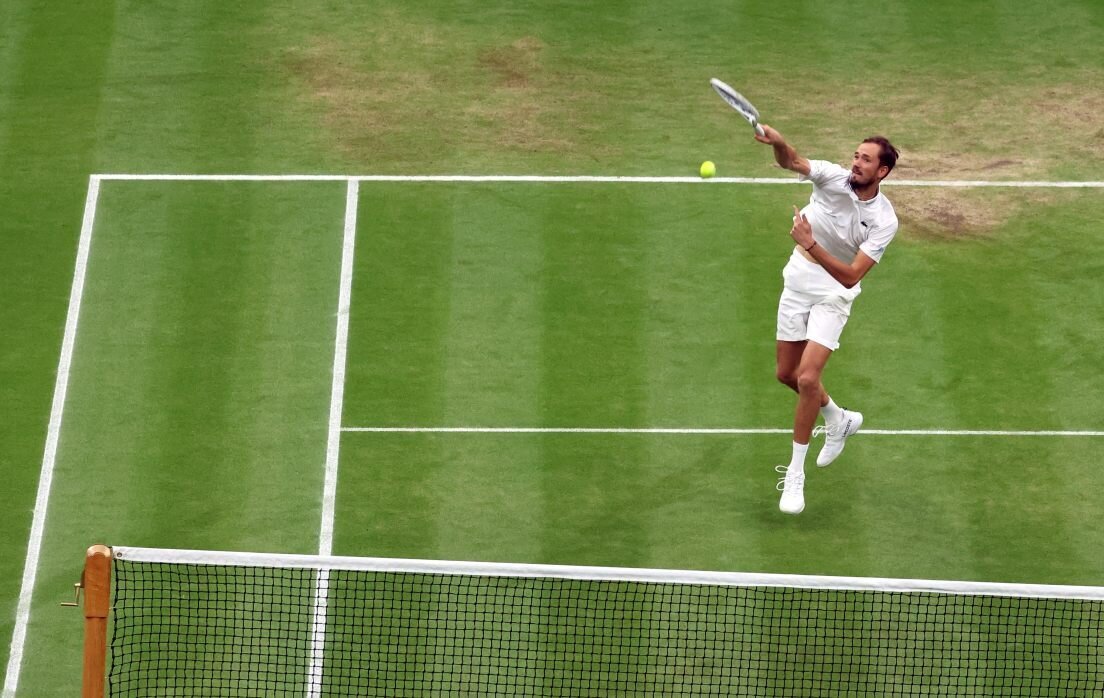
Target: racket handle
{"x":759,"y":130}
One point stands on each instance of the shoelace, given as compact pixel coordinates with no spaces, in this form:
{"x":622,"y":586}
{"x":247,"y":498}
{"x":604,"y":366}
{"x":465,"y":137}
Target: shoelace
{"x":798,"y":478}
{"x":833,"y":430}
{"x":826,"y":430}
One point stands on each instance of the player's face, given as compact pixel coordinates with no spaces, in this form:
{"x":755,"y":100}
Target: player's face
{"x":866,"y":169}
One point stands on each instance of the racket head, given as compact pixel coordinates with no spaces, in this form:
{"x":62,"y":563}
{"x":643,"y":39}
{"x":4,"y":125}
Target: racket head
{"x":738,"y":102}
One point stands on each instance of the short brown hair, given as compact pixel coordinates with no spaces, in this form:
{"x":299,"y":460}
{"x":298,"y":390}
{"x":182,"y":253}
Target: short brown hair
{"x":888,"y":154}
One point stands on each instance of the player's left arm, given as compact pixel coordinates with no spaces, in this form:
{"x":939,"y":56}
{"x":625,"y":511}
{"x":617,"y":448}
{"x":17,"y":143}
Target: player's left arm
{"x":847,"y":274}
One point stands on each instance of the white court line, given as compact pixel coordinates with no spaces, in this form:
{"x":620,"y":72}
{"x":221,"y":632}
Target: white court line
{"x":53,"y":431}
{"x":695,"y":430}
{"x":337,"y":391}
{"x":573,"y":178}
{"x":333,"y":443}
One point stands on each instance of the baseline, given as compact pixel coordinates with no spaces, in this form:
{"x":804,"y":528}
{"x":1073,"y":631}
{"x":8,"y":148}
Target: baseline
{"x":1029,"y":184}
{"x":706,"y":431}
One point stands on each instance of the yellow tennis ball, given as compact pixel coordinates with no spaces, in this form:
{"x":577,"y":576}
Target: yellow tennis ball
{"x":708,"y":169}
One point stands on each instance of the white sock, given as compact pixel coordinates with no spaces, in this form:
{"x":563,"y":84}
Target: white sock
{"x":831,"y":412}
{"x":797,"y":461}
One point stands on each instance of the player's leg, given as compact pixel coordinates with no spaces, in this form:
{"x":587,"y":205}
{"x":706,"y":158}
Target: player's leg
{"x":797,"y":364}
{"x":787,"y":359}
{"x":826,"y":323}
{"x":793,"y":321}
{"x":810,"y":391}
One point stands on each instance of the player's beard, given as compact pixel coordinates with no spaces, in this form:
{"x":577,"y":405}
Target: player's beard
{"x":855,"y":183}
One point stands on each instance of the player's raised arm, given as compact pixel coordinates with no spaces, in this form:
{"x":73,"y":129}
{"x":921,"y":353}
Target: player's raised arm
{"x":784,"y":153}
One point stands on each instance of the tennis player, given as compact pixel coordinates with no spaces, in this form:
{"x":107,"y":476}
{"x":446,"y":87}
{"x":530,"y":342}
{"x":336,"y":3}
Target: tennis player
{"x":840,"y":235}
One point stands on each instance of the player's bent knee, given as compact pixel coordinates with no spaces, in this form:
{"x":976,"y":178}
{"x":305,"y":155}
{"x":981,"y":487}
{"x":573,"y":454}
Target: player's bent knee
{"x":808,"y":380}
{"x":786,"y":378}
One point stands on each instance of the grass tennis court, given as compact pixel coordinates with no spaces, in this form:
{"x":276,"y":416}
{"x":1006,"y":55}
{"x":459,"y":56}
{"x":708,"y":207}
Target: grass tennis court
{"x":200,"y":385}
{"x":584,"y":305}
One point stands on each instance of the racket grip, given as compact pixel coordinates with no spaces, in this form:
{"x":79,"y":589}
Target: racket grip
{"x":759,"y":130}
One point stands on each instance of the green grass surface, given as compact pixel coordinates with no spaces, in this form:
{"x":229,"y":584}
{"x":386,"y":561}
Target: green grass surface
{"x":201,"y":378}
{"x":200,"y":388}
{"x":640,"y":313}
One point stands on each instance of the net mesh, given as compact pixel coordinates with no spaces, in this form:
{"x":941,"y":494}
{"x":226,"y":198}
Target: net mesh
{"x":206,"y":630}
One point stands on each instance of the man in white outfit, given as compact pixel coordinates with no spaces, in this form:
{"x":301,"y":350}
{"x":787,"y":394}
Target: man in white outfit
{"x":840,"y":235}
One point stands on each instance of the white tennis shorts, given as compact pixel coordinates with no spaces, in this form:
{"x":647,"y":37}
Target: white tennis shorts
{"x":813,"y":306}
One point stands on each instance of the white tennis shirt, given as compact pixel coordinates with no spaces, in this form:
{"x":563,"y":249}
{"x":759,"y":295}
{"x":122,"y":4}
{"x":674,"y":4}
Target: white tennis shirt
{"x":842,"y":224}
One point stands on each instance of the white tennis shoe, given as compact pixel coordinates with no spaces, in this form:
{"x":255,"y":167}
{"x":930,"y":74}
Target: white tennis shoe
{"x":835,"y":435}
{"x":792,"y":485}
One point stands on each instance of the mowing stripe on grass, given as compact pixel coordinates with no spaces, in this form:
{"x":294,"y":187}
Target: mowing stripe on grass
{"x":575,"y":178}
{"x":49,"y":458}
{"x":695,"y":430}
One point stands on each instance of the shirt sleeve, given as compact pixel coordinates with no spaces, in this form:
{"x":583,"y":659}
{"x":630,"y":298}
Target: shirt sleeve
{"x":875,"y":245}
{"x":823,"y":173}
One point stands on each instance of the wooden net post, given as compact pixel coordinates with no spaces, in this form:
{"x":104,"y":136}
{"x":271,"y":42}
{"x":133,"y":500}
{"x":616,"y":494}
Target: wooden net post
{"x":97,"y":603}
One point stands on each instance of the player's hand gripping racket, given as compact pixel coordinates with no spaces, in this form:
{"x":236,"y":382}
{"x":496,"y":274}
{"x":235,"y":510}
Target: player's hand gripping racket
{"x":738,"y":102}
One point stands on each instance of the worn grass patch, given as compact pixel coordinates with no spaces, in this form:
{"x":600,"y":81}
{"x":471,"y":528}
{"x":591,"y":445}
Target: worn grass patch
{"x":412,"y":88}
{"x":980,"y":125}
{"x":947,"y":214}
{"x":391,"y":98}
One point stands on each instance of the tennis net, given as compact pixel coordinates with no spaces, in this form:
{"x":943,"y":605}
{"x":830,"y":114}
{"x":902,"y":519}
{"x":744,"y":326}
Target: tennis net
{"x":187,"y":623}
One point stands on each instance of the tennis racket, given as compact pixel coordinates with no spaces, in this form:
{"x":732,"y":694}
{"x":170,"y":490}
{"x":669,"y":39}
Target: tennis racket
{"x":738,"y":102}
